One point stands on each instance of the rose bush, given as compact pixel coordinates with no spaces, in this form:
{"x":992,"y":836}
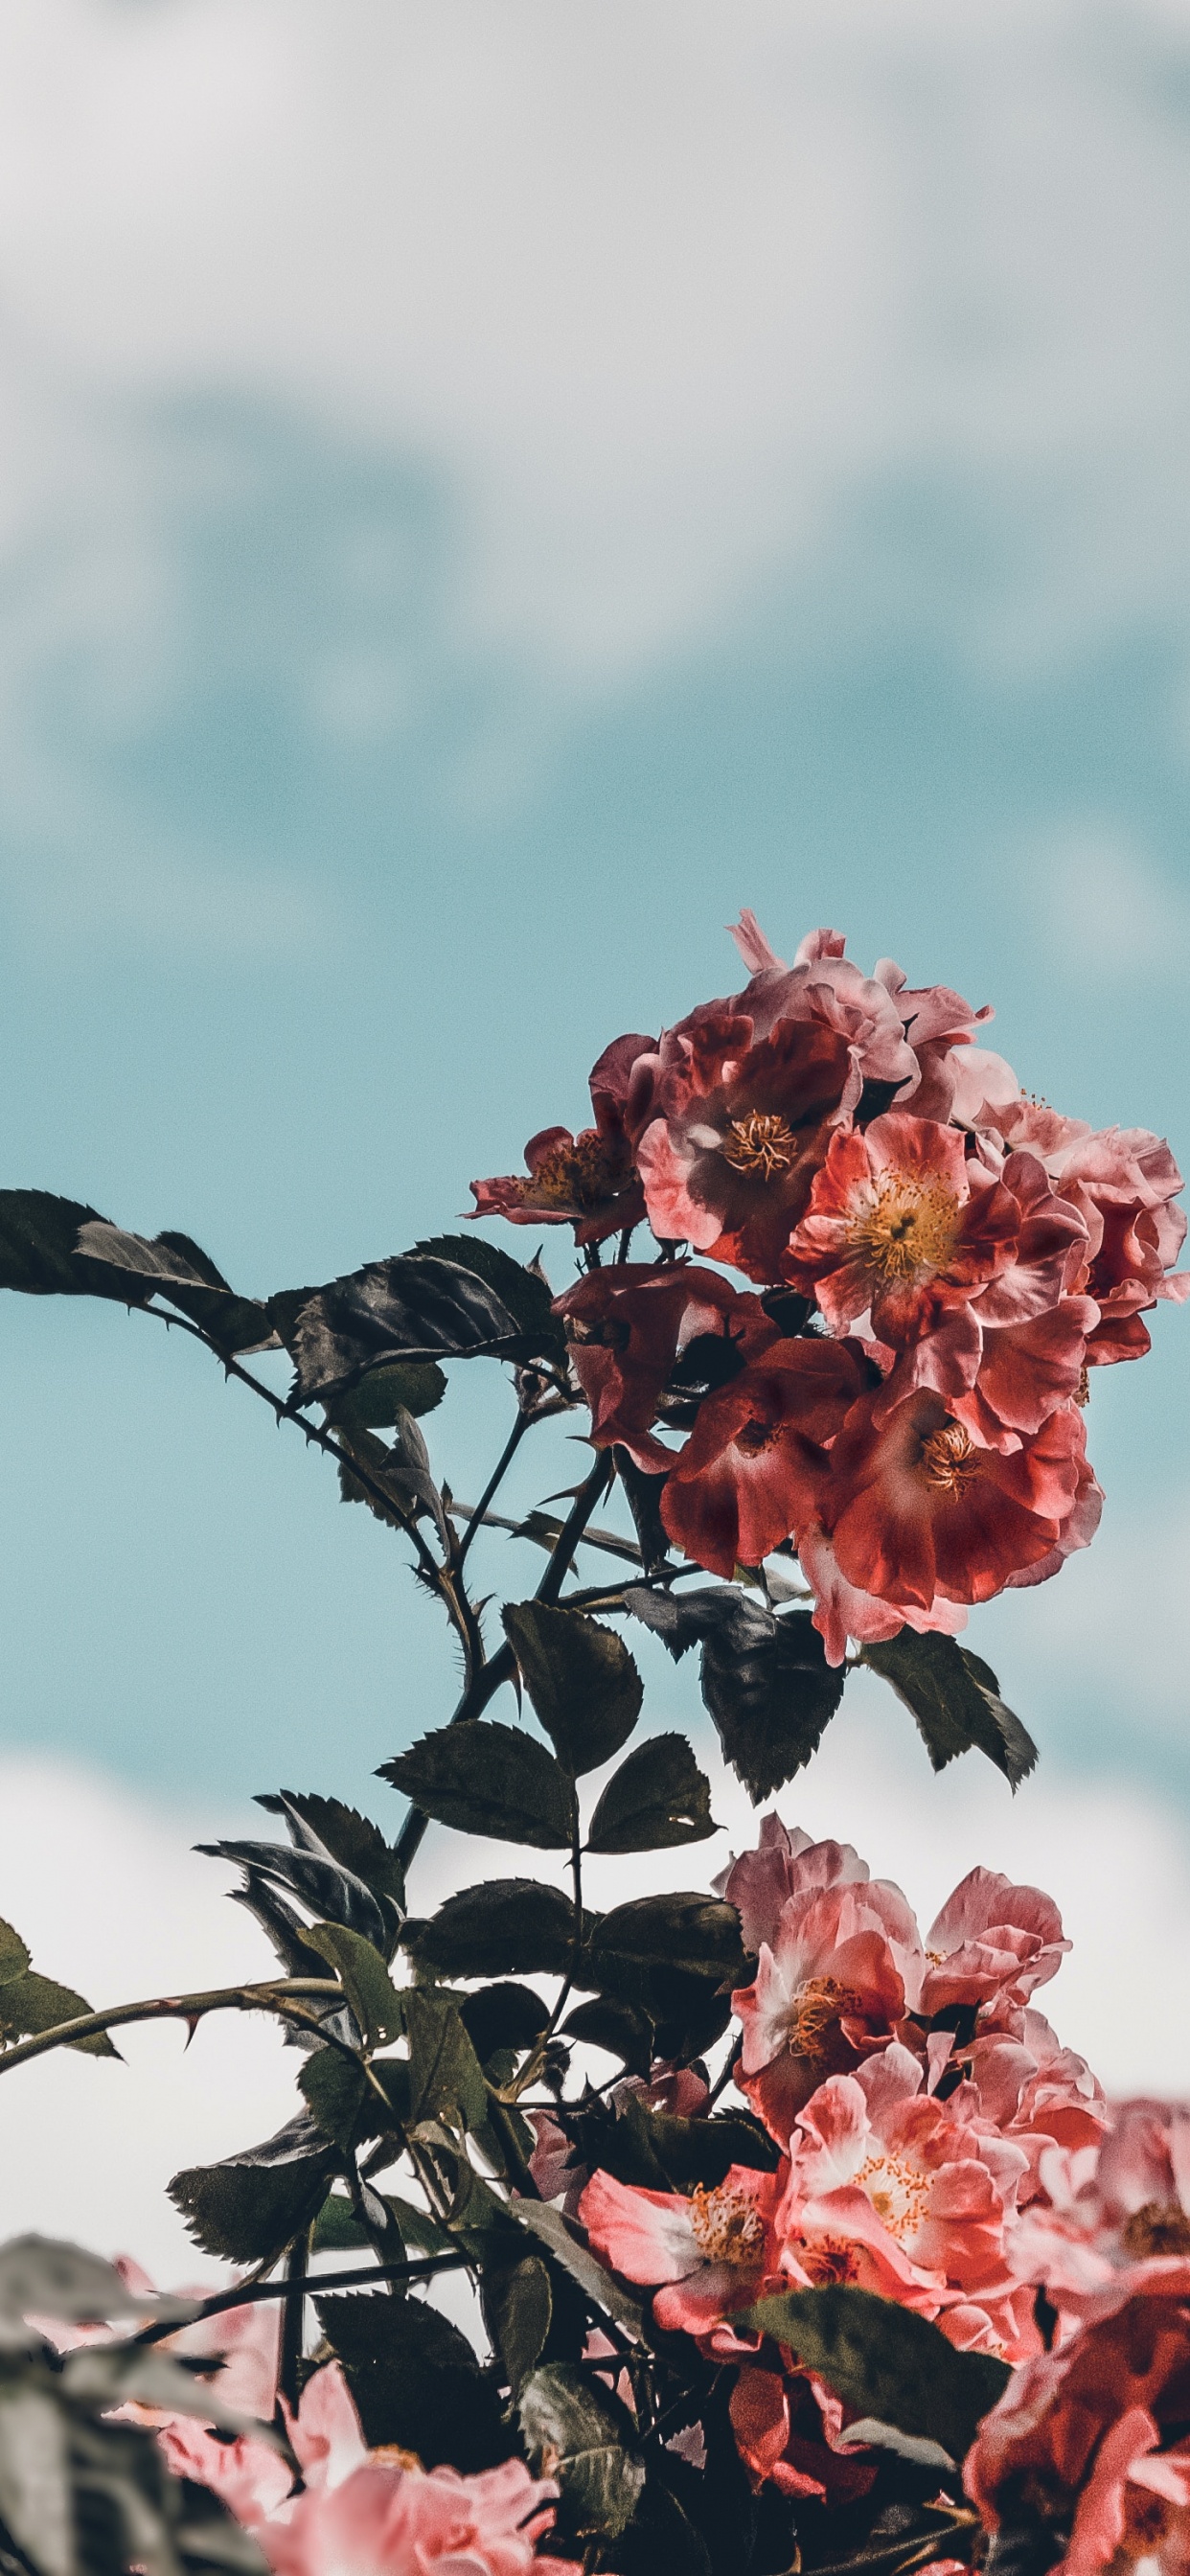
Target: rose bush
{"x":744,"y":2227}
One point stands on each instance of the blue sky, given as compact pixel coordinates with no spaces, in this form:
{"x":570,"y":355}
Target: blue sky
{"x":471,"y":527}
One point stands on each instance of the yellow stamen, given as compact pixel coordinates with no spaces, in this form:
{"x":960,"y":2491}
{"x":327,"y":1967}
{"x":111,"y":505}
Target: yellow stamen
{"x":950,"y":1459}
{"x":812,"y":2030}
{"x":760,"y":1144}
{"x":728,"y":2227}
{"x":1160,"y":2227}
{"x":911,"y":1226}
{"x":898,"y":2193}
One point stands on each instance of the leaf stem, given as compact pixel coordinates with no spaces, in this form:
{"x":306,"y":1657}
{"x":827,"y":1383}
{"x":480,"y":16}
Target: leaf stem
{"x":495,"y":1480}
{"x":293,"y":2320}
{"x":250,"y":2293}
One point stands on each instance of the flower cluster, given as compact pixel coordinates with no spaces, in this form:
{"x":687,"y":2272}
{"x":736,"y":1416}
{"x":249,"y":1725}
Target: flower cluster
{"x":937,"y":1262}
{"x":936,"y":2145}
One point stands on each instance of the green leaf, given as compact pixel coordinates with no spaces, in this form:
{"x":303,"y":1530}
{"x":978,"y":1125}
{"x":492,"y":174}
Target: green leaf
{"x":505,"y":2016}
{"x":520,"y":1286}
{"x":702,"y":2151}
{"x":488,"y":1779}
{"x":113,"y":1263}
{"x":405,"y":1386}
{"x":553,"y":2230}
{"x":35,"y":2488}
{"x":366,"y":1982}
{"x":765,"y":1680}
{"x":250,"y":2207}
{"x":518,"y":2309}
{"x":581,"y":1679}
{"x":504,"y":1927}
{"x":337,"y":2230}
{"x":349,"y":1839}
{"x":955,"y":1698}
{"x":415,"y":2380}
{"x":445,"y":2076}
{"x":30,"y":2003}
{"x":657,"y":1798}
{"x":625,"y":2031}
{"x":588,"y":2440}
{"x":886,"y":2361}
{"x":339,"y":2098}
{"x":14,"y":1957}
{"x":687,"y":1934}
{"x":38,"y":1233}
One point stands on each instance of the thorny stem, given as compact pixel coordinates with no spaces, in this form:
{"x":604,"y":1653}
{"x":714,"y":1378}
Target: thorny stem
{"x":275,"y":1997}
{"x":293,"y":2320}
{"x":250,"y":2293}
{"x":495,"y":1480}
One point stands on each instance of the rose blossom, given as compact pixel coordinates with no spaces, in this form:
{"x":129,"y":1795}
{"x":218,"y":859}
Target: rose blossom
{"x":916,"y":1506}
{"x":391,"y":2519}
{"x":903,"y":1224}
{"x":630,"y":1327}
{"x":588,"y":1181}
{"x":992,"y":1943}
{"x":787,"y":2426}
{"x":1123,"y":1180}
{"x":829,"y":1989}
{"x":841,"y":1611}
{"x":702,"y":2256}
{"x":749,"y":1471}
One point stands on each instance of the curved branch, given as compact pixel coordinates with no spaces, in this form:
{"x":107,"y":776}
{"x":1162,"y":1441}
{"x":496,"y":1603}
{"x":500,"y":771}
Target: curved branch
{"x":277,"y":1996}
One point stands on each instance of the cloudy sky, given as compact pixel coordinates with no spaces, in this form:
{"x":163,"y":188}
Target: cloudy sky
{"x":484,"y":492}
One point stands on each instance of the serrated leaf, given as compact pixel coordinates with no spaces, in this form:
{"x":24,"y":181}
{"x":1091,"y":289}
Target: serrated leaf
{"x":14,"y":1957}
{"x":404,"y":1386}
{"x":445,"y":2076}
{"x":414,"y":1307}
{"x":701,"y":2151}
{"x":764,"y":1679}
{"x":955,"y":1698}
{"x":623,"y":2029}
{"x":581,"y":1680}
{"x":583,"y":2436}
{"x":886,"y":2361}
{"x":686,"y":1934}
{"x":115,"y":1263}
{"x":489,"y":1779}
{"x":339,"y":2098}
{"x":504,"y":2016}
{"x":30,"y":2003}
{"x":521,"y":1286}
{"x":332,"y":1892}
{"x":504,"y":1927}
{"x":337,"y":2230}
{"x":366,"y":1982}
{"x":658,"y":1798}
{"x":569,"y":2248}
{"x":415,"y":2380}
{"x":339,"y":1833}
{"x":518,"y":2308}
{"x":38,"y":1234}
{"x":250,"y":2207}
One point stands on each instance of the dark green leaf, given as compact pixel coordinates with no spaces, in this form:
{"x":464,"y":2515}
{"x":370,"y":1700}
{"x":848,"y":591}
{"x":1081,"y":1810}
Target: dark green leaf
{"x":113,"y":1263}
{"x":703,"y":2151}
{"x":581,"y":1679}
{"x":569,"y":2248}
{"x":955,"y":1698}
{"x":886,"y":2361}
{"x":30,"y":2003}
{"x":248,"y":2209}
{"x":337,"y":2230}
{"x":405,"y":1386}
{"x":625,"y":2031}
{"x":683,"y":1934}
{"x":366,"y":1982}
{"x":331,"y":1891}
{"x":518,"y":2308}
{"x":14,"y":1957}
{"x":445,"y":2076}
{"x":505,"y":1927}
{"x":689,"y":2014}
{"x":657,"y":1798}
{"x":520,"y":1286}
{"x":415,"y":2380}
{"x":38,"y":1233}
{"x":488,"y":1779}
{"x":505,"y":2016}
{"x":335,"y":1832}
{"x":339,"y":2098}
{"x":588,"y":2440}
{"x":414,"y":1307}
{"x":765,"y":1680}
{"x":421,"y":2233}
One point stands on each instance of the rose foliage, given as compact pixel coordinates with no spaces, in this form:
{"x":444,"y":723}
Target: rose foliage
{"x":744,"y":2227}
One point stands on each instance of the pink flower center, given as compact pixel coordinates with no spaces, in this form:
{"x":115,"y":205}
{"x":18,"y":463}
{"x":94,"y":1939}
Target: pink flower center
{"x":585,"y":1174}
{"x":761,"y":1144}
{"x":826,"y":2259}
{"x":812,"y":2029}
{"x":728,"y":2227}
{"x":949,"y":1459}
{"x":1159,"y":2227}
{"x":898,"y":2193}
{"x":910,"y":1226}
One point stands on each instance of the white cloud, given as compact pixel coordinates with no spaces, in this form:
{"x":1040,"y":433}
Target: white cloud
{"x":1108,"y":909}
